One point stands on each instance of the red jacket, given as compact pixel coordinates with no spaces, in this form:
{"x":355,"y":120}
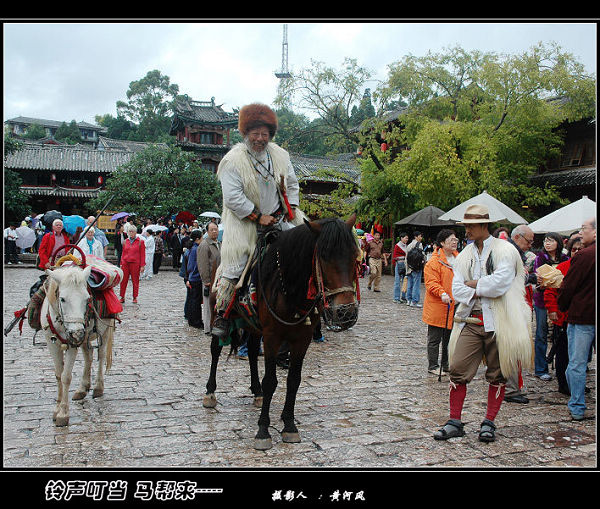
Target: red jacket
{"x":134,"y":253}
{"x":47,"y":246}
{"x":551,"y":297}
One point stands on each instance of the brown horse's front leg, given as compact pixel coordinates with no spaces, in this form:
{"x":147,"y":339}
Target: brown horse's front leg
{"x":297,"y":352}
{"x":262,"y":440}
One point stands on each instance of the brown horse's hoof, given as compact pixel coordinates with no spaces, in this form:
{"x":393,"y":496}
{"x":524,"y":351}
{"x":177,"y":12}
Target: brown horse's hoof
{"x":258,"y":401}
{"x":97,"y":393}
{"x":79,"y":395}
{"x":262,"y":444}
{"x":290,"y":438}
{"x":209,"y":401}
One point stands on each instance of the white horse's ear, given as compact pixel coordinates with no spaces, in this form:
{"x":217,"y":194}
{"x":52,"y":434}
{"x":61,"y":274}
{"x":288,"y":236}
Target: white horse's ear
{"x":53,"y":274}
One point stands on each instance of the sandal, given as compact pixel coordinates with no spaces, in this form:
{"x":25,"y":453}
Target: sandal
{"x":487,"y":431}
{"x":451,"y":429}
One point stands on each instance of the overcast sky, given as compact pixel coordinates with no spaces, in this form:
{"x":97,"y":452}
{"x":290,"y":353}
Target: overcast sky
{"x":66,"y":71}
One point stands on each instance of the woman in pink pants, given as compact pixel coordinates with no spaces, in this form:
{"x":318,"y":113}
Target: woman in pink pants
{"x":133,"y":261}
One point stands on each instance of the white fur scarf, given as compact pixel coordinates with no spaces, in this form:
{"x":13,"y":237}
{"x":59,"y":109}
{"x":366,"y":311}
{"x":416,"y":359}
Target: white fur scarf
{"x":511,"y":311}
{"x":239,"y":236}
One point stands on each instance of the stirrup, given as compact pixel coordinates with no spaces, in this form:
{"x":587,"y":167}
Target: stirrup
{"x":487,"y":431}
{"x":220,"y":327}
{"x":451,"y":429}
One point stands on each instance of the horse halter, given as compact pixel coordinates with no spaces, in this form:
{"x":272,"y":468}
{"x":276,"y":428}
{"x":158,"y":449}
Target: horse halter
{"x":340,"y":316}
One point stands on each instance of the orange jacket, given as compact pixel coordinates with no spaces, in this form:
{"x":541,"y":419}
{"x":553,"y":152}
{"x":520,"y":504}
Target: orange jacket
{"x":438,"y":279}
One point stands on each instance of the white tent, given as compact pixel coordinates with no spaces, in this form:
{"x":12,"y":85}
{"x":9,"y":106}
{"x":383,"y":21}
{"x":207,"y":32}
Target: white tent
{"x":499,"y":213}
{"x":566,"y":219}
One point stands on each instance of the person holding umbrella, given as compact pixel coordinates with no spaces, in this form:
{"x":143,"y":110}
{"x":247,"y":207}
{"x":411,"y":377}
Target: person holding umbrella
{"x":438,"y":307}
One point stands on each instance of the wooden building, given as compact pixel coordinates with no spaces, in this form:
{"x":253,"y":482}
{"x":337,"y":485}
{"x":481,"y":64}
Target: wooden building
{"x":90,"y":133}
{"x":204,"y":128}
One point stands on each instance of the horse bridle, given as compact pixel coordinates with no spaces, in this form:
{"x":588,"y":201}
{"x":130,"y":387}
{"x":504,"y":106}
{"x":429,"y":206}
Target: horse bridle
{"x":62,"y":320}
{"x":322,"y":292}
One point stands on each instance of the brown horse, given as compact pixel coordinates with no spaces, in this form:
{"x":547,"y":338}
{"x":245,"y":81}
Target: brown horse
{"x":307,"y":271}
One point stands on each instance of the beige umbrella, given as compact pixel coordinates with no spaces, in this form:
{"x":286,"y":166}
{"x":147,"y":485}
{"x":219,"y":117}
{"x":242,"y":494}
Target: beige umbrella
{"x":567,"y":219}
{"x":499,"y":213}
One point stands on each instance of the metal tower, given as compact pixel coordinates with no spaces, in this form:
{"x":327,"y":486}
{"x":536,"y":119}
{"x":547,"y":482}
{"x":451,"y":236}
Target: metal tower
{"x":284,"y":73}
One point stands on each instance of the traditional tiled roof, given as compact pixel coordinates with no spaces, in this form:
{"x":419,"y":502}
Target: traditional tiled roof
{"x":60,"y":191}
{"x":567,"y":178}
{"x":66,"y":158}
{"x":105,"y":143}
{"x":307,"y":166}
{"x":53,"y":123}
{"x":202,"y":113}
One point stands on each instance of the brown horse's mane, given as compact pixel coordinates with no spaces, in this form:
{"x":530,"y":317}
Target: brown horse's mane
{"x":288,"y":263}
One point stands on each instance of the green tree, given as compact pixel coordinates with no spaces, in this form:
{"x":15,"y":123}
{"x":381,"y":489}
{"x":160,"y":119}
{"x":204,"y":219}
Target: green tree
{"x":68,"y":133}
{"x":480,"y":121}
{"x":118,"y":128}
{"x":150,"y":105}
{"x":16,"y":204}
{"x":35,"y":132}
{"x":159,"y":181}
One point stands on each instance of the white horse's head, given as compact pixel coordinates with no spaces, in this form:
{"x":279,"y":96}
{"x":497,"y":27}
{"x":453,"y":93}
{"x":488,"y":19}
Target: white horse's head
{"x":68,"y":295}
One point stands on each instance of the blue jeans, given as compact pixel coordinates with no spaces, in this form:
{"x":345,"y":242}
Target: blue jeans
{"x":581,"y":338}
{"x":413,"y":288}
{"x":541,"y":340}
{"x":398,"y":280}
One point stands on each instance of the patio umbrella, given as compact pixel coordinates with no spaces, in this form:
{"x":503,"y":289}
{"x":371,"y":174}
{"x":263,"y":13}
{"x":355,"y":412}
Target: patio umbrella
{"x":119,"y":215}
{"x":429,"y":216}
{"x":26,"y":237}
{"x":499,"y":213}
{"x":210,"y":214}
{"x":50,"y":216}
{"x":70,"y":223}
{"x":567,"y":219}
{"x":156,"y":227}
{"x":185,"y":216}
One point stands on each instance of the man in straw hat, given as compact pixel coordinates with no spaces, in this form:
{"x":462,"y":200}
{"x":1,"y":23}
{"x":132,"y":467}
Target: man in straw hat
{"x":260,"y":190}
{"x":491,"y":321}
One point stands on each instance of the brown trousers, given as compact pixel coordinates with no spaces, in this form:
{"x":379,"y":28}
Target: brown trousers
{"x":375,"y":272}
{"x":472,"y":346}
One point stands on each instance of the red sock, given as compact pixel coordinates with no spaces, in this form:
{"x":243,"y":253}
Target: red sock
{"x":457,"y":398}
{"x":495,"y":398}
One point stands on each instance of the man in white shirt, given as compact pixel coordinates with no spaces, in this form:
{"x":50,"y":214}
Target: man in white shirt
{"x":10,"y":244}
{"x":491,"y":321}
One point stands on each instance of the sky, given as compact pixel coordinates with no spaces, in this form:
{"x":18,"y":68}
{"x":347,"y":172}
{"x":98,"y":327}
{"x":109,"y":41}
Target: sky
{"x":77,"y":70}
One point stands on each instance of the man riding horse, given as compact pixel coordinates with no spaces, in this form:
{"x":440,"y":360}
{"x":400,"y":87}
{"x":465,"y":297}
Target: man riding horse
{"x":260,"y":191}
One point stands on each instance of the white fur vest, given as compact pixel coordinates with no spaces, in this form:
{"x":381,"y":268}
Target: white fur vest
{"x":239,"y":235}
{"x":511,"y":313}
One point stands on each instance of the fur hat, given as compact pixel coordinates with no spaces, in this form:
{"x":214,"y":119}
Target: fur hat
{"x":255,"y":115}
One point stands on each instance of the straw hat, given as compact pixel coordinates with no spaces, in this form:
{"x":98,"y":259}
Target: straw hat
{"x":476,"y":214}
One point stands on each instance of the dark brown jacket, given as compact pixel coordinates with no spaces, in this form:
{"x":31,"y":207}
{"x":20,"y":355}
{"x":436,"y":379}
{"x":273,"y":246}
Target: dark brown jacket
{"x":577,"y":293}
{"x":208,"y":257}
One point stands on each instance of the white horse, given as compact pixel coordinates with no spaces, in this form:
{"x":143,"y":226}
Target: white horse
{"x":70,"y":321}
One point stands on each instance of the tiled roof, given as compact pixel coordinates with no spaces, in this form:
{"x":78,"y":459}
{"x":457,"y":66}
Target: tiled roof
{"x":66,"y":158}
{"x":60,"y":191}
{"x":307,"y":166}
{"x":53,"y":123}
{"x":204,"y":112}
{"x":567,"y":178}
{"x":105,"y":143}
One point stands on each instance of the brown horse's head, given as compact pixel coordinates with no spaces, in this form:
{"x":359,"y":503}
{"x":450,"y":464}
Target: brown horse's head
{"x":336,"y":257}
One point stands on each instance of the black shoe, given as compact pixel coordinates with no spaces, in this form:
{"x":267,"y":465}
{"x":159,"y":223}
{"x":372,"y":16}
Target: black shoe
{"x":487,"y":432}
{"x":451,"y":429}
{"x":517,"y":398}
{"x":220,"y":327}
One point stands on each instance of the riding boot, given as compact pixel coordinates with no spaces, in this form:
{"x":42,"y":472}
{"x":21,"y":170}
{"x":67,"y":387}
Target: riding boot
{"x":225,"y":293}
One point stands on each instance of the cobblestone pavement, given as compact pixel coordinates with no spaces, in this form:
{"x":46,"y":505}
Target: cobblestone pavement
{"x":365,"y":401}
